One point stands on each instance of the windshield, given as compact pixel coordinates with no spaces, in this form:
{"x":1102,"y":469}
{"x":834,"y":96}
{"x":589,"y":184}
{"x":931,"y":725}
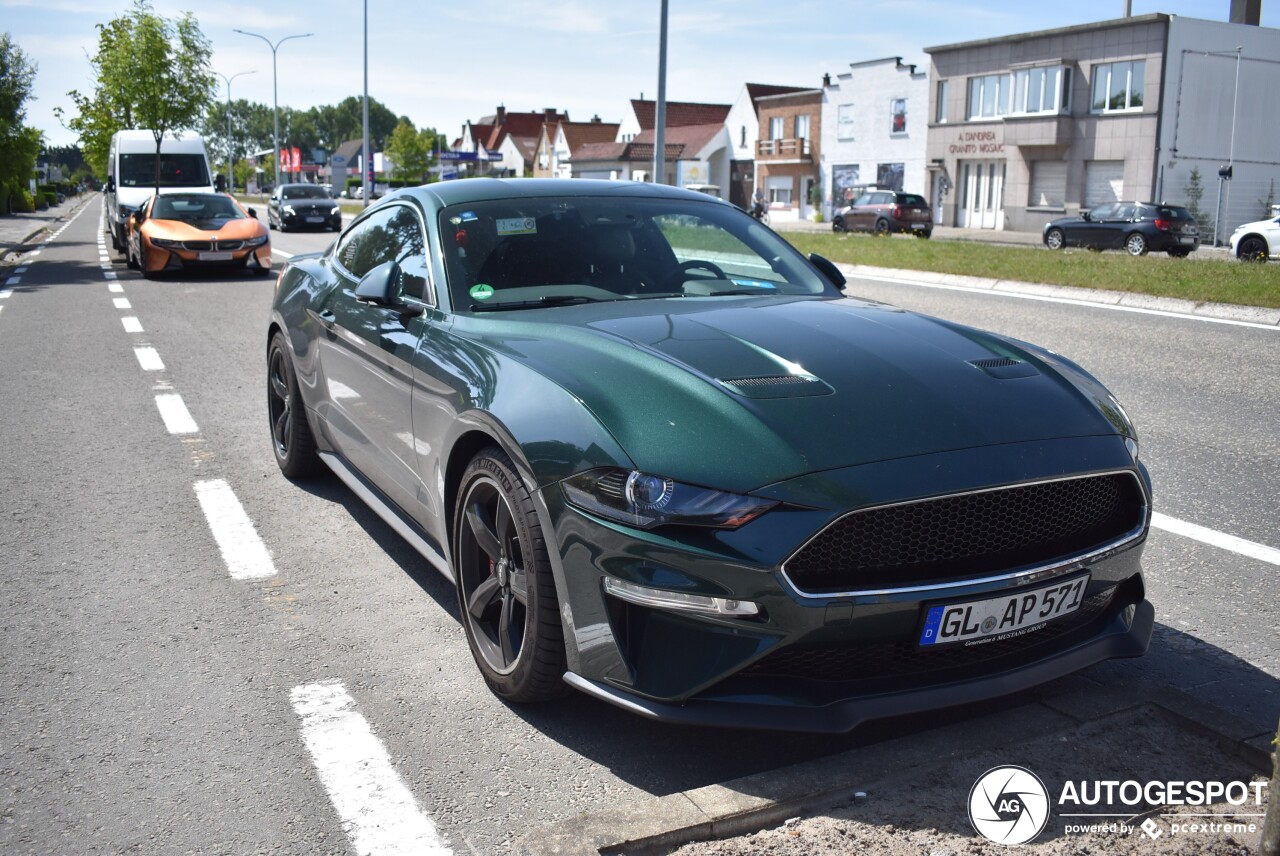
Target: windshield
{"x":198,"y":209}
{"x":176,"y":170}
{"x":305,"y":192}
{"x":584,"y":249}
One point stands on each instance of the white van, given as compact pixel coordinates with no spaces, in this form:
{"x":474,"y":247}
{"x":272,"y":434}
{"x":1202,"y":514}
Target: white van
{"x":131,"y":173}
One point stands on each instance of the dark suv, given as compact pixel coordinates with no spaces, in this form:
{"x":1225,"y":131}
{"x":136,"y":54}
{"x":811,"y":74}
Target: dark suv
{"x":1137,"y":227}
{"x":885,"y":211}
{"x":303,"y":206}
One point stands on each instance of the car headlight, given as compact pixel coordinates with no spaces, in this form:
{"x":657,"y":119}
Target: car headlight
{"x":645,"y":500}
{"x":166,"y":243}
{"x":335,"y":211}
{"x":288,"y":209}
{"x":256,"y":242}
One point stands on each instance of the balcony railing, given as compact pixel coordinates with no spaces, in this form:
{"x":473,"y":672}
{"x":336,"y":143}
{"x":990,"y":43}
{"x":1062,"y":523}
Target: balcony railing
{"x":794,"y":148}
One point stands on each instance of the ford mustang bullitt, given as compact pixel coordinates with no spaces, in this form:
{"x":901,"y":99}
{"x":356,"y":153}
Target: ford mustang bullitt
{"x":666,"y":461}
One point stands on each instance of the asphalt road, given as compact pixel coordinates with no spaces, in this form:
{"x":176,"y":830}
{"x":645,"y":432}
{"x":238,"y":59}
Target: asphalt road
{"x":158,"y":686}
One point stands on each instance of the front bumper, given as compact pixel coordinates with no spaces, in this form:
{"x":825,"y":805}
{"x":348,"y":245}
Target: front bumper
{"x":309,"y":220}
{"x":826,"y":662}
{"x":160,"y":259}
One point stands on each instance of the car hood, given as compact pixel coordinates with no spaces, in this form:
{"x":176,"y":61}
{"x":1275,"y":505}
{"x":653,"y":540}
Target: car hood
{"x":179,"y":230}
{"x":743,"y":392}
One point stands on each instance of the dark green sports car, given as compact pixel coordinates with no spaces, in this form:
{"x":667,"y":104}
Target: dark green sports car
{"x":668,"y":463}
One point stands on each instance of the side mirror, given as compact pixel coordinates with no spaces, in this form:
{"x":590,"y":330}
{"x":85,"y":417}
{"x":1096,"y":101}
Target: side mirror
{"x":138,"y":216}
{"x":828,"y":269}
{"x":1084,"y":215}
{"x":110,"y":185}
{"x":253,"y":213}
{"x":220,"y":183}
{"x":381,"y":287}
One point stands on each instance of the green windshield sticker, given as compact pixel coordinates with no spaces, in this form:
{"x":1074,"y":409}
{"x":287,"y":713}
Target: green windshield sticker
{"x":480,"y":291}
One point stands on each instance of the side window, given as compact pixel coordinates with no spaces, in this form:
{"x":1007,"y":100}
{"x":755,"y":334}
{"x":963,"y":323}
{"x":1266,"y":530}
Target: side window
{"x":393,"y":233}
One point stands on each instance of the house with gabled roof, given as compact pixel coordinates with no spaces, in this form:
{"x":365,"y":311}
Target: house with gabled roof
{"x":695,"y":155}
{"x":558,"y":142}
{"x":487,"y":140}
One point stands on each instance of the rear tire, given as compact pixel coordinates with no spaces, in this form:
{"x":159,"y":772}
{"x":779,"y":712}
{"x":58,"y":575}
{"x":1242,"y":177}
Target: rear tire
{"x":882,"y":227}
{"x":506,"y":593}
{"x":291,"y":438}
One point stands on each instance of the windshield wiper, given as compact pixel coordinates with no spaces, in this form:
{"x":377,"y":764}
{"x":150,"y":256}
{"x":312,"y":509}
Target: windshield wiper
{"x":547,"y":300}
{"x":737,"y":292}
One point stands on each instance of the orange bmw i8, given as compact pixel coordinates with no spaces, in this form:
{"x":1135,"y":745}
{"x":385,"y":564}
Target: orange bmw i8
{"x":182,"y":231}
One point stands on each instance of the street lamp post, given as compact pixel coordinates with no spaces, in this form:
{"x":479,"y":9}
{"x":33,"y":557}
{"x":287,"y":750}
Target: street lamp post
{"x":231,"y":186}
{"x":275,"y":94}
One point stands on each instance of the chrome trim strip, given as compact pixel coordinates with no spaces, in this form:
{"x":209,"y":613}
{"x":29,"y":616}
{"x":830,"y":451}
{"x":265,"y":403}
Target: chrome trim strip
{"x":388,"y":514}
{"x":1014,"y":579}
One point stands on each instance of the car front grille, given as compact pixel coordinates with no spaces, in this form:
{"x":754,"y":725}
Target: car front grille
{"x":969,"y":536}
{"x":215,"y":246}
{"x":854,"y":661}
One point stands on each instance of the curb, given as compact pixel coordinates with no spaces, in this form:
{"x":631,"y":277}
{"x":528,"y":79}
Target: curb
{"x":24,"y":243}
{"x":740,"y":807}
{"x":1131,"y":300}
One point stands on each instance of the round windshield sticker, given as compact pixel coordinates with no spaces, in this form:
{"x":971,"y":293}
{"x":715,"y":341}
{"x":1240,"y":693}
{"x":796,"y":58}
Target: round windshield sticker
{"x":481,"y":291}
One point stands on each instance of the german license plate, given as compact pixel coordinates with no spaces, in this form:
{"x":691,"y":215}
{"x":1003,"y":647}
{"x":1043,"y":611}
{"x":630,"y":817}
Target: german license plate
{"x":1188,"y":240}
{"x":1003,"y":617}
{"x":917,"y":225}
{"x":214,"y":257}
{"x":315,"y":219}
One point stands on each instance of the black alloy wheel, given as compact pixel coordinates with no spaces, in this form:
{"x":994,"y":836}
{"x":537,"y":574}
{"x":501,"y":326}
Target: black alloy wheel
{"x":1179,"y":253}
{"x":1252,"y":249}
{"x":291,"y":437}
{"x":882,"y":227}
{"x":506,"y":593}
{"x":837,"y":225}
{"x":1136,"y":244}
{"x":1054,"y":239}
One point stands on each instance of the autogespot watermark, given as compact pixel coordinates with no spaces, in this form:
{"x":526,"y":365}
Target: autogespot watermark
{"x":1011,"y":805}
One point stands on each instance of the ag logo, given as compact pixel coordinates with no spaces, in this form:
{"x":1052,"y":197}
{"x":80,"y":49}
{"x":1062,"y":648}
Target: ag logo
{"x":1009,"y":805}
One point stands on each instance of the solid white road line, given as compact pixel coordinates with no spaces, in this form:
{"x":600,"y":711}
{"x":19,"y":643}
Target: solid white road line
{"x":122,"y":303}
{"x":281,"y":253}
{"x":175,"y":414}
{"x":243,"y":551}
{"x":377,"y":811}
{"x":1213,"y":537}
{"x":131,"y":324}
{"x":1071,"y":302}
{"x":149,"y":359}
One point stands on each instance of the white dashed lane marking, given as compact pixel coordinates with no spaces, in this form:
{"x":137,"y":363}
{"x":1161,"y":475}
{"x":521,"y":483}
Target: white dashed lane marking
{"x":175,"y":414}
{"x":131,"y":324}
{"x":376,"y":809}
{"x":242,"y":550}
{"x":115,"y":287}
{"x":149,"y":359}
{"x":1213,"y":537}
{"x":122,"y":303}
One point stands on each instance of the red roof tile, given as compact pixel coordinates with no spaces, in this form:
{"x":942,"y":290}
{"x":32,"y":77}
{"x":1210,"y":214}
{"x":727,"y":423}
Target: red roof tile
{"x":679,"y":113}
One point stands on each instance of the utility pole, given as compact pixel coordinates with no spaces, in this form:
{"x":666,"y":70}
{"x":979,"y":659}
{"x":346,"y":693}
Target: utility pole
{"x":660,"y":115}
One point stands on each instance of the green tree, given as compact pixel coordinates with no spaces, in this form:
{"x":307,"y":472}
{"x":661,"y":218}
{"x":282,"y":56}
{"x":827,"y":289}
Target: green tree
{"x":1195,"y":192}
{"x":19,"y":144}
{"x":410,"y":151}
{"x":151,"y":72}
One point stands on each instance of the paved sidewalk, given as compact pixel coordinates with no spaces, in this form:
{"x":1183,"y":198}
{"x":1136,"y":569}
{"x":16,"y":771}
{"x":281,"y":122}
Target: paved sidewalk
{"x":17,"y":230}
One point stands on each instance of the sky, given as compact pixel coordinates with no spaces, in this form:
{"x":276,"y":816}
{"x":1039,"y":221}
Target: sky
{"x":442,"y":63}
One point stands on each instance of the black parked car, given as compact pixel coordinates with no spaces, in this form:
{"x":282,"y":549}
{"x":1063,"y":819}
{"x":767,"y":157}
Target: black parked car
{"x":1137,"y":227}
{"x":303,"y":206}
{"x":885,"y":211}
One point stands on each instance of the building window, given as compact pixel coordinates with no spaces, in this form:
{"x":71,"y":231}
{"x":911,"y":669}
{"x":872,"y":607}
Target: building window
{"x":1041,"y":90}
{"x":802,"y":127}
{"x":944,"y":91}
{"x":988,"y":96}
{"x":844,"y":122}
{"x":742,"y":144}
{"x":775,"y":128}
{"x":889,"y":176}
{"x":1048,"y":184}
{"x":1118,"y":86}
{"x":779,"y":189}
{"x":898,"y":115}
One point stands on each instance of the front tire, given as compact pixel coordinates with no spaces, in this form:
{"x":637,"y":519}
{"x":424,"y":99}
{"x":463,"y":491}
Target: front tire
{"x":1054,"y":239}
{"x":506,"y":593}
{"x":837,"y":225}
{"x":291,"y":437}
{"x":1135,"y":245}
{"x":1252,"y":249}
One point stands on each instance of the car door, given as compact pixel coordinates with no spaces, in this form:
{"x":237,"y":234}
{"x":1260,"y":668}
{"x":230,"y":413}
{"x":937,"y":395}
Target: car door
{"x":861,"y":213}
{"x":366,"y":350}
{"x":1091,"y":231}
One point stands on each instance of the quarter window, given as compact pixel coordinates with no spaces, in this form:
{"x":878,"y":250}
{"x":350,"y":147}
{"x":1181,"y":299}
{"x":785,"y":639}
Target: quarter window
{"x":1118,"y":86}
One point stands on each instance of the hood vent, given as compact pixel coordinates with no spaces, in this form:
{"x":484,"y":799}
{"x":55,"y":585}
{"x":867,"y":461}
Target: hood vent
{"x":1005,"y":368}
{"x":776,"y":386}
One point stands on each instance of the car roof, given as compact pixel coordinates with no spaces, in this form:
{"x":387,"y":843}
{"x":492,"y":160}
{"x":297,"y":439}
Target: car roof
{"x":467,"y":190}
